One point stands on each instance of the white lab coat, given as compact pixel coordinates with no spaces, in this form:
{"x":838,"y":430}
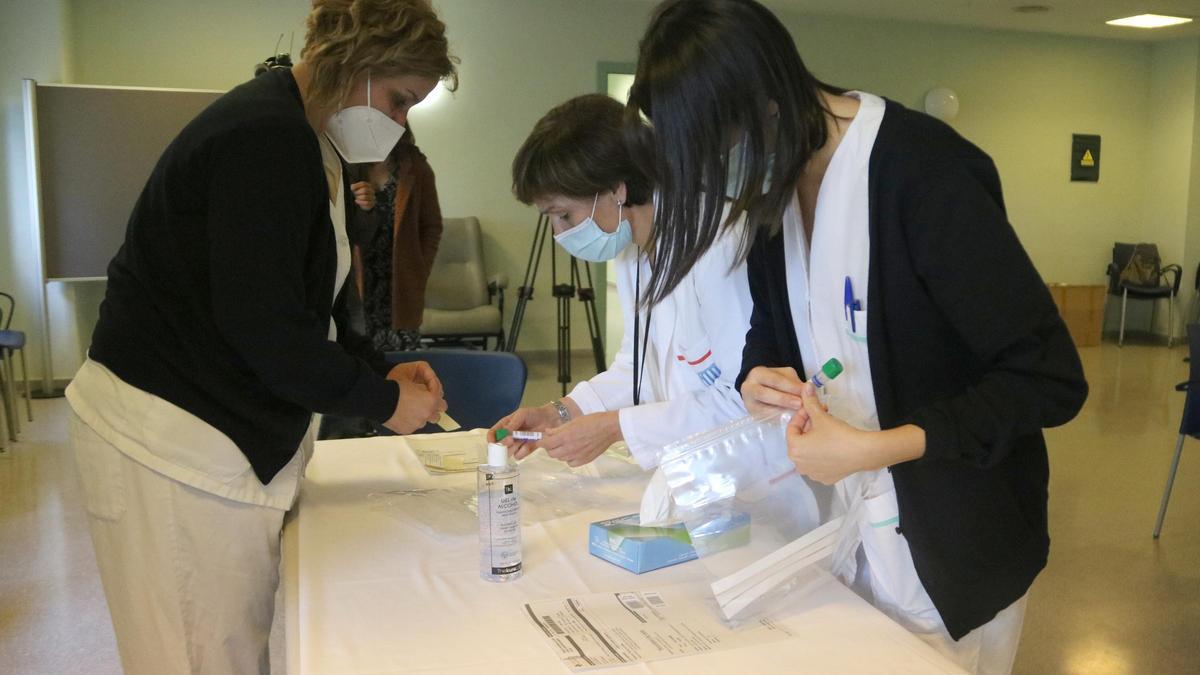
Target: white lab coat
{"x":693,"y":355}
{"x":825,"y":328}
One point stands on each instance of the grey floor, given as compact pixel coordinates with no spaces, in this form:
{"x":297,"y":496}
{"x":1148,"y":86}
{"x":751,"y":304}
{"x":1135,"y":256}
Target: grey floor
{"x":1112,"y":600}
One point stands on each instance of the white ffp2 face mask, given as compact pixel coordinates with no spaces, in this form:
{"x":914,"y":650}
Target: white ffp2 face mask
{"x":362,"y":133}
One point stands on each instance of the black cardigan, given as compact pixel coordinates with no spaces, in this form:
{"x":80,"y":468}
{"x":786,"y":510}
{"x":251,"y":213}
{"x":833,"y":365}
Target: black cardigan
{"x":220,"y":298}
{"x":965,"y":342}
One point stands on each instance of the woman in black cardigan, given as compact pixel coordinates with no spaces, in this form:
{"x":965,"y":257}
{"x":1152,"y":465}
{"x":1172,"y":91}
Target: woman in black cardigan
{"x":216,"y":341}
{"x":961,"y":353}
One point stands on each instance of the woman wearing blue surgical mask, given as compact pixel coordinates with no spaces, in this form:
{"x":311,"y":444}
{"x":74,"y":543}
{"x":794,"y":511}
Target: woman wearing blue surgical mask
{"x":675,"y":369}
{"x":879,"y":237}
{"x":192,"y":416}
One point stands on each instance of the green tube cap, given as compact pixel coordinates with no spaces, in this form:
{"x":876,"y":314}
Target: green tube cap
{"x":502,"y":433}
{"x":830,"y":370}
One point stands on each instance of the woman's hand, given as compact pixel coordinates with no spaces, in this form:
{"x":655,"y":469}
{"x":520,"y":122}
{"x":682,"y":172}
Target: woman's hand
{"x":419,"y":372}
{"x":416,"y":406}
{"x":525,"y":419}
{"x":827,"y":449}
{"x":772,"y":390}
{"x":364,"y":195}
{"x":583,"y":439}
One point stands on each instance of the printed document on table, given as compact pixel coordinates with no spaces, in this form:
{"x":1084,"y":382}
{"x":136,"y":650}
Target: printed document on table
{"x":451,"y":452}
{"x":611,"y":629}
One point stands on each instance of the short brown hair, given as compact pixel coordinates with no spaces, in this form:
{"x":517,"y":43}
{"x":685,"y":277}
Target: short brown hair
{"x":579,"y":149}
{"x":346,"y":38}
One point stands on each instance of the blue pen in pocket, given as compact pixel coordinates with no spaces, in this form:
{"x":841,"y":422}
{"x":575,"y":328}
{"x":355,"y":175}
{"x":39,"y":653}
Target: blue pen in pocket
{"x":851,"y":305}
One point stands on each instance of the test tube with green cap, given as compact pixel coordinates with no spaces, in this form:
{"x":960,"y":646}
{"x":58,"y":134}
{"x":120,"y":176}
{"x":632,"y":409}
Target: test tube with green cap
{"x":828,"y":372}
{"x":518,"y":435}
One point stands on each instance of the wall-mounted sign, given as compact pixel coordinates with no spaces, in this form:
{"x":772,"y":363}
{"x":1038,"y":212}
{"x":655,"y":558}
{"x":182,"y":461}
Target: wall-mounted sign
{"x":1085,"y":157}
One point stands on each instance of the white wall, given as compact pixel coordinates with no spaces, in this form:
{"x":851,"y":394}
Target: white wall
{"x":32,"y":45}
{"x":518,"y":59}
{"x":1169,"y":147}
{"x":1172,"y":117}
{"x":1192,"y":248}
{"x":1023,"y":95}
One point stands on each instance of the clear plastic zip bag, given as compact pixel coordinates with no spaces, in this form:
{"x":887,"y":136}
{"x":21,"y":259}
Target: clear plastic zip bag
{"x":764,"y":532}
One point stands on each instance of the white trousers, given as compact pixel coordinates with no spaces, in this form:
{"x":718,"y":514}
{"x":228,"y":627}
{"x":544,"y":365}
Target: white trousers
{"x":190,"y":577}
{"x":987,"y":650}
{"x":888,"y":578}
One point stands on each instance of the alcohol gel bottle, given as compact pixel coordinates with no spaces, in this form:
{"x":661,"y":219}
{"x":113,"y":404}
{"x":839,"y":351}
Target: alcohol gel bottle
{"x":499,"y":517}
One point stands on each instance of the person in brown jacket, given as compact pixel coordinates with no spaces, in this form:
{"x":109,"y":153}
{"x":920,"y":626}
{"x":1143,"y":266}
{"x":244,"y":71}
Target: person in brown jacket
{"x":396,"y":238}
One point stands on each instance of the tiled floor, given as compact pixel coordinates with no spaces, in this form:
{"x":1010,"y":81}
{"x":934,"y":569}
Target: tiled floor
{"x":1112,"y":600}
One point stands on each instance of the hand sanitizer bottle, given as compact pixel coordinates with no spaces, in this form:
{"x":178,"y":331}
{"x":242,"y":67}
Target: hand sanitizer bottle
{"x":499,"y":517}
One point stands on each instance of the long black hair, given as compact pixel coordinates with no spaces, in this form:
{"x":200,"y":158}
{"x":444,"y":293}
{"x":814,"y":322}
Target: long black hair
{"x":708,"y":72}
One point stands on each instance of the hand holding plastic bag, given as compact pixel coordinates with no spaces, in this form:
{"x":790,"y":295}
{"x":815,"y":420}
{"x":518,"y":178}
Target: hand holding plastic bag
{"x":798,"y":532}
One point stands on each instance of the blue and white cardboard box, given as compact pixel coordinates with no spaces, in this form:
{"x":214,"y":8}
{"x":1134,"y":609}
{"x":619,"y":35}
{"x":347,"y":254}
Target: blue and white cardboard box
{"x":624,"y":542}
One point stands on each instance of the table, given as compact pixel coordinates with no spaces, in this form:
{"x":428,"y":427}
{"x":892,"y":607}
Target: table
{"x":369,"y":587}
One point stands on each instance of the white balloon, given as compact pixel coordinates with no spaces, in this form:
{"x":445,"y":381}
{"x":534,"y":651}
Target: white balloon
{"x":942,"y":103}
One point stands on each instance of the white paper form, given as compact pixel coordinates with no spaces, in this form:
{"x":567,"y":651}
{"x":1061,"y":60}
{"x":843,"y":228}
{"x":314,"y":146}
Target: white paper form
{"x":450,"y":452}
{"x":611,"y":629}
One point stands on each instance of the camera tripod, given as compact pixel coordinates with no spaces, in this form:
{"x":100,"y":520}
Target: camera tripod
{"x":563,"y":293}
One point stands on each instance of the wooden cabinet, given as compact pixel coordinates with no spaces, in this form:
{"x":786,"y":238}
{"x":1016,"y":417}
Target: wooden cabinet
{"x":1082,"y":309}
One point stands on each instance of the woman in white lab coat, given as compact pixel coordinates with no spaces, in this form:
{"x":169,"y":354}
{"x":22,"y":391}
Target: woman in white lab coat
{"x":675,"y":370}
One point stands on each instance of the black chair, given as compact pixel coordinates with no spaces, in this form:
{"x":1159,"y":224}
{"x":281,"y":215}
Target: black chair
{"x":1122,"y":254}
{"x":13,"y":342}
{"x":480,"y":387}
{"x":1190,"y":424}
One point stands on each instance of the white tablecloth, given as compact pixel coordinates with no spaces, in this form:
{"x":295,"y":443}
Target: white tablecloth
{"x":367,"y":592}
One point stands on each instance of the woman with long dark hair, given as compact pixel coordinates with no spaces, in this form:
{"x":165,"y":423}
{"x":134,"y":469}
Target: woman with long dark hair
{"x":876,"y":235}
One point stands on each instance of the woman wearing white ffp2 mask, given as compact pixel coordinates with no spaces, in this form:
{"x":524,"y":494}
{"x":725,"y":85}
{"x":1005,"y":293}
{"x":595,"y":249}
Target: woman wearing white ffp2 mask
{"x":365,"y":134}
{"x":673,"y":374}
{"x":191,"y":418}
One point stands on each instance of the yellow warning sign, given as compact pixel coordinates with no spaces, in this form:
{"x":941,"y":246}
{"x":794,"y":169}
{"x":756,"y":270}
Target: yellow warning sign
{"x":1087,"y":159}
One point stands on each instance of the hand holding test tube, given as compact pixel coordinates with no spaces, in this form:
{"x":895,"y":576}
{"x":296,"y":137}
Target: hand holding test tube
{"x":501,"y":434}
{"x":801,"y":420}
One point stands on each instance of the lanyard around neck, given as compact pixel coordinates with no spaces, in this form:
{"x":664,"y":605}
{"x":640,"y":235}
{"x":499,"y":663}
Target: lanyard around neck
{"x":639,"y":357}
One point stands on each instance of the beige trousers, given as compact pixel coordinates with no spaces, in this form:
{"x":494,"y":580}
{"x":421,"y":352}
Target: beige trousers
{"x":190,"y":577}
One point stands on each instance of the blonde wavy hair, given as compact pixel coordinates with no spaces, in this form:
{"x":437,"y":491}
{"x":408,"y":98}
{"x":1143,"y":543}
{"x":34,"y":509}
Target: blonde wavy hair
{"x":346,"y":38}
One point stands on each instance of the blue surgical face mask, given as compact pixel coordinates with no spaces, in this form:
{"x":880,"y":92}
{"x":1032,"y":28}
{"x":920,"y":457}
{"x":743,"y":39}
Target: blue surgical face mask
{"x":587,"y":241}
{"x":735,"y":170}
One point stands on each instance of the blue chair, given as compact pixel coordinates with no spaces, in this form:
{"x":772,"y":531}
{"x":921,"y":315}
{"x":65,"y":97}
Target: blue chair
{"x":1190,"y":424}
{"x":480,"y":387}
{"x":13,"y":342}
